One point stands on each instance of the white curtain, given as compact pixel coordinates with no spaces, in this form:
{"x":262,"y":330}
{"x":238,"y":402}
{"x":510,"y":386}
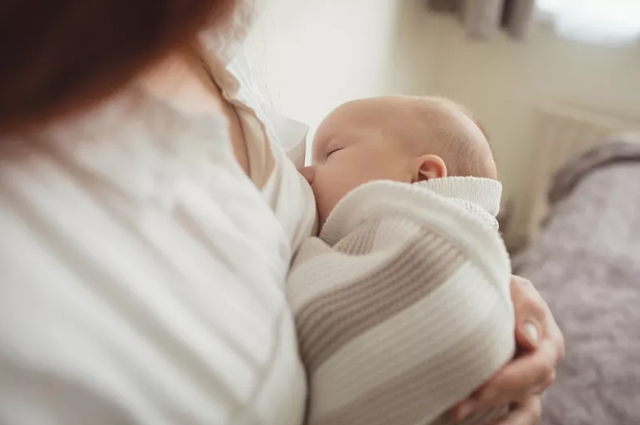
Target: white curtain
{"x":610,"y":22}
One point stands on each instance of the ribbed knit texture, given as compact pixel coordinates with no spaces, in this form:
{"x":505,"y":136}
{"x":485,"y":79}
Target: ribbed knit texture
{"x":402,"y":304}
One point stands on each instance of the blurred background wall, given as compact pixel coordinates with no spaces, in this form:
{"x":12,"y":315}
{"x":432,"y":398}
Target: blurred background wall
{"x":311,"y":55}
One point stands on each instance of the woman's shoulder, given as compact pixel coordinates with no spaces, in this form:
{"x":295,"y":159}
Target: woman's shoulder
{"x":275,"y":143}
{"x":276,"y":146}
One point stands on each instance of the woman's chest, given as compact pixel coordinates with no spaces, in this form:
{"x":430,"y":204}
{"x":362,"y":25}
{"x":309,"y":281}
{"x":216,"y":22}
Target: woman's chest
{"x":188,"y":85}
{"x":256,"y":137}
{"x":177,"y":264}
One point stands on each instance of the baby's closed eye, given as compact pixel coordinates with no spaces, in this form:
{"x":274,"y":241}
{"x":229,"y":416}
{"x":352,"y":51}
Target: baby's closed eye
{"x":332,"y":151}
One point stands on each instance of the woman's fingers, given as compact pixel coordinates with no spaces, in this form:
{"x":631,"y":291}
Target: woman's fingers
{"x":515,"y":383}
{"x":554,"y":334}
{"x":534,"y":320}
{"x":530,"y":374}
{"x":541,"y":347}
{"x":530,"y":310}
{"x":527,"y":413}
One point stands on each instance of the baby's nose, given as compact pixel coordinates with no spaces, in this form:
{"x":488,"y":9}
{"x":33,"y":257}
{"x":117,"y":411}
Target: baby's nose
{"x":308,"y":173}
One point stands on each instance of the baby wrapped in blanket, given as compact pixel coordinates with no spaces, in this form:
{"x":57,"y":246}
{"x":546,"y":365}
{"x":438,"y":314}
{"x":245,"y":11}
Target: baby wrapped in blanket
{"x":402,"y":301}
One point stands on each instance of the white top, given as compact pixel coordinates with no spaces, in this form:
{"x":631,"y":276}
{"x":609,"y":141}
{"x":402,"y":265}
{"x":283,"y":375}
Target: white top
{"x":141,"y":271}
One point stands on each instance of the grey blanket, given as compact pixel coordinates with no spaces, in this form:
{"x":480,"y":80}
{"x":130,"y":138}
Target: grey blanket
{"x":586,"y":263}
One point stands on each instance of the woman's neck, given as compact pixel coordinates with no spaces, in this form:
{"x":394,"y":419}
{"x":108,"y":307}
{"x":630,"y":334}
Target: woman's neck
{"x":181,"y":80}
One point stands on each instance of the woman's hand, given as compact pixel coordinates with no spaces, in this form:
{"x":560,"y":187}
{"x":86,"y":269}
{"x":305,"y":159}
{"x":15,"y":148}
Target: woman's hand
{"x":522,"y":381}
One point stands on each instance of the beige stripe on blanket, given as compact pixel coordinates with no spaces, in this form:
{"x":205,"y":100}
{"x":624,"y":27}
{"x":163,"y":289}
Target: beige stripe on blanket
{"x":402,"y":305}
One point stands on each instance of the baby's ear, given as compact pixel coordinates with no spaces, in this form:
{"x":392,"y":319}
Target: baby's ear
{"x":429,"y":167}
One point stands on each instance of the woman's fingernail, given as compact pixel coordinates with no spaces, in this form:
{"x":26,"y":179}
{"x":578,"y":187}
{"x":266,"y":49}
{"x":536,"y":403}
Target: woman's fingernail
{"x":531,"y":331}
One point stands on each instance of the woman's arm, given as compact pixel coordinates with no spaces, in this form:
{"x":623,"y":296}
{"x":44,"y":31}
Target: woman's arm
{"x":522,"y":381}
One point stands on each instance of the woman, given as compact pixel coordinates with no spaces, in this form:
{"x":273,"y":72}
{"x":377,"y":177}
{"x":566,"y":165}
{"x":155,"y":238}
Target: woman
{"x":148,"y":218}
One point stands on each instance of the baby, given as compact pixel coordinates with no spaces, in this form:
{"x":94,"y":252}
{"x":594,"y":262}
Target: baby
{"x":402,"y":302}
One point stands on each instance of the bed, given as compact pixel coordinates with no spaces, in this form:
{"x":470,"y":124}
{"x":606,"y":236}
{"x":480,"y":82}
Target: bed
{"x":585,"y":261}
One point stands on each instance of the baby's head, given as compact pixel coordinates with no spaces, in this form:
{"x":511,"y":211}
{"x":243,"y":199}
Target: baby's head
{"x":400,"y":138}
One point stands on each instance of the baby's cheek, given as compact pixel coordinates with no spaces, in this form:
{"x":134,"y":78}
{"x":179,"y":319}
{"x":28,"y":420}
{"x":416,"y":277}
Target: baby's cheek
{"x":328,"y":190}
{"x":324,"y":200}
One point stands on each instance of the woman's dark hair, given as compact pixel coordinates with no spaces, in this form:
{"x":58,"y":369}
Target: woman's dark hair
{"x":57,"y":56}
